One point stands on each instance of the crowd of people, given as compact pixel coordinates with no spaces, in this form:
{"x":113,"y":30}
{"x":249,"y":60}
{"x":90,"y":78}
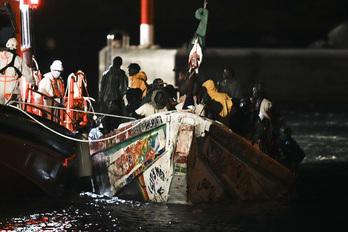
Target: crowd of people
{"x":254,"y":117}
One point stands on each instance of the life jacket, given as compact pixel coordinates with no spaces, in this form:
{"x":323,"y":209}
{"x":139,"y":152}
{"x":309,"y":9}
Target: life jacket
{"x":55,"y":83}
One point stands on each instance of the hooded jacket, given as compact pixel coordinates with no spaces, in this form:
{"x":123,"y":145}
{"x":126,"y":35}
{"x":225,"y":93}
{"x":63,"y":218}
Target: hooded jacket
{"x":139,"y":81}
{"x":222,"y":98}
{"x":265,"y":108}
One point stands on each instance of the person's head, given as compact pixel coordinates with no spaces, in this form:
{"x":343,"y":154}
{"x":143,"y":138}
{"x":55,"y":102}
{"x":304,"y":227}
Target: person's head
{"x":159,"y":99}
{"x":56,"y":68}
{"x":117,"y":61}
{"x":259,"y":90}
{"x":285,"y":133}
{"x":158,"y":83}
{"x":134,"y":95}
{"x":133,"y":69}
{"x":228,"y":73}
{"x":12,"y":45}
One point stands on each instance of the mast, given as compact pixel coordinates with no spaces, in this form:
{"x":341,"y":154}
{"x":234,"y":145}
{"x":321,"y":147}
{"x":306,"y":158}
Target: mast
{"x":146,"y":24}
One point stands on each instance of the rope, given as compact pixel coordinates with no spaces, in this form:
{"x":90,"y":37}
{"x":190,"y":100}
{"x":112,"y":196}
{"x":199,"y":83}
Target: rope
{"x":79,"y":111}
{"x":74,"y":139}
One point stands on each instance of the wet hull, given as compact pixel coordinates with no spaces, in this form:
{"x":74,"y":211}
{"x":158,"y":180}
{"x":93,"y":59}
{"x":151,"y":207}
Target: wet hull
{"x":33,"y":158}
{"x":183,"y":158}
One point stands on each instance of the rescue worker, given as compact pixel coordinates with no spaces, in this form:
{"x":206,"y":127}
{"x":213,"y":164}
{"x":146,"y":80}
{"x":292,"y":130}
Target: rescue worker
{"x":137,"y":78}
{"x":12,"y":67}
{"x":226,"y":111}
{"x":52,"y":85}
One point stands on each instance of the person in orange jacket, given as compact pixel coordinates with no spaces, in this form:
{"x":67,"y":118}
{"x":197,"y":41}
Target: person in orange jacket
{"x":137,"y":78}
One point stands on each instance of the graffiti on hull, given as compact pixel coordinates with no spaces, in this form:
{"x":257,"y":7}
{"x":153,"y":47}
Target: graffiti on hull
{"x":128,"y":159}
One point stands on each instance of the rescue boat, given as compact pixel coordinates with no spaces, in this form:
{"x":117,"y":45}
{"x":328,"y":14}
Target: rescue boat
{"x":37,"y":155}
{"x":44,"y":154}
{"x":33,"y":157}
{"x":181,"y":157}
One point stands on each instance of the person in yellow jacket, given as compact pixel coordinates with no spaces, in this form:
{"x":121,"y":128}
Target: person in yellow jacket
{"x":137,"y":78}
{"x":222,"y":98}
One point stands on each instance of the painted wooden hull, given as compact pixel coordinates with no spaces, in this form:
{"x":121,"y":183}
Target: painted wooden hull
{"x":32,"y":158}
{"x":179,"y":157}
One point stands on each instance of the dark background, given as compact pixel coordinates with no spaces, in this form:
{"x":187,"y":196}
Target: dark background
{"x":75,"y":31}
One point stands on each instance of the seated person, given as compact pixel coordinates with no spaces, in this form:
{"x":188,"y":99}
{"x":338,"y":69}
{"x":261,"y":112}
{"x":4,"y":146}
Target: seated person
{"x":133,"y":97}
{"x":227,"y":106}
{"x":159,"y":103}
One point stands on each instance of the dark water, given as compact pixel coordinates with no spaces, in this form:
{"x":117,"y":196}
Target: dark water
{"x":317,"y":202}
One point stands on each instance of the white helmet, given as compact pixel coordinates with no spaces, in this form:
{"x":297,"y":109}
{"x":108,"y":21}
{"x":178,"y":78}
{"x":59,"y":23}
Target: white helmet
{"x":57,"y":65}
{"x":12,"y":44}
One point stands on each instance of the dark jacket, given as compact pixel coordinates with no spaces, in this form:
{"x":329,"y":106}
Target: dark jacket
{"x":113,"y":86}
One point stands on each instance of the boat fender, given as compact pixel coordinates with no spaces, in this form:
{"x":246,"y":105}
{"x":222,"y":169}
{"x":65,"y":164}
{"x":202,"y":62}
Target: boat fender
{"x":84,"y":162}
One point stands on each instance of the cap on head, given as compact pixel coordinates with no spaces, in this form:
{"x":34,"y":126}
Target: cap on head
{"x":12,"y":44}
{"x":158,"y":82}
{"x":57,"y":65}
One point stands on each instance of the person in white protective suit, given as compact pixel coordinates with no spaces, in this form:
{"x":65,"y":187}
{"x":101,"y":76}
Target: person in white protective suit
{"x":51,"y":85}
{"x":12,"y":67}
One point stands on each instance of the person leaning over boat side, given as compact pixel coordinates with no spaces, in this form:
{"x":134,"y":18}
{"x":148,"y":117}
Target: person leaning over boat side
{"x":137,"y":78}
{"x":227,"y":106}
{"x":265,"y":122}
{"x":52,"y":85}
{"x":159,"y":103}
{"x":12,"y":67}
{"x":263,"y":129}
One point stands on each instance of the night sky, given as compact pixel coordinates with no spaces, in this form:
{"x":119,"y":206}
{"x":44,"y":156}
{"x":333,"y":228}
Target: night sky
{"x":75,"y":31}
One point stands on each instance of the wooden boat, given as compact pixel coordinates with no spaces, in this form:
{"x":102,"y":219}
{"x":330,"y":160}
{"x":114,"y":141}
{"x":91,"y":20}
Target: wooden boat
{"x":180,"y":157}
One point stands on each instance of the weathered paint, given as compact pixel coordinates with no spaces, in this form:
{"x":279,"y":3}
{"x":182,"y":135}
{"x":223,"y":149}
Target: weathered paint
{"x":127,"y":159}
{"x":125,"y":131}
{"x":158,"y":178}
{"x":179,"y":157}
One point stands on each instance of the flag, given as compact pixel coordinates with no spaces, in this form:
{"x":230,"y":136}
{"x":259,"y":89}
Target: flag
{"x":197,"y":43}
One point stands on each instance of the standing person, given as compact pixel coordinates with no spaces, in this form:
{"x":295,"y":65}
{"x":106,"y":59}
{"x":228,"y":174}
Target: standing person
{"x":113,"y":85}
{"x":137,"y":78}
{"x":52,"y":85}
{"x":113,"y":88}
{"x":12,"y":67}
{"x":229,"y":84}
